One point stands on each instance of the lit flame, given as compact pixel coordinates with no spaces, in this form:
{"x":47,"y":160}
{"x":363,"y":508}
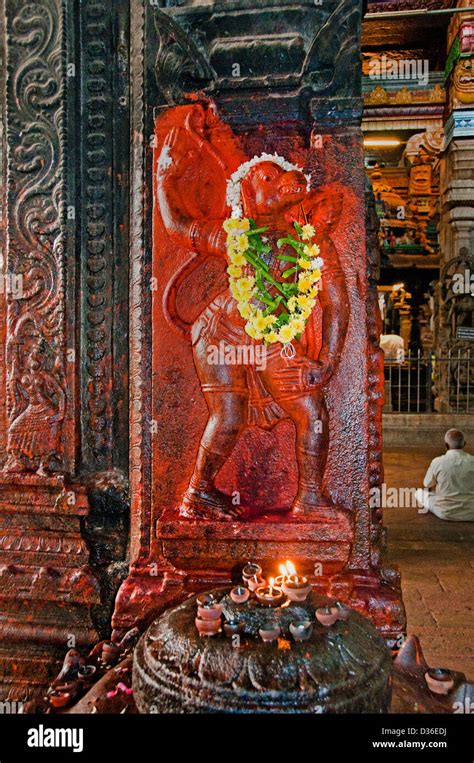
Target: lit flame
{"x":283,"y":570}
{"x":272,"y":582}
{"x":290,"y":567}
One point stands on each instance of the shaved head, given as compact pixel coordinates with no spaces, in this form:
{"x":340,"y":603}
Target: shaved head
{"x":455,"y":439}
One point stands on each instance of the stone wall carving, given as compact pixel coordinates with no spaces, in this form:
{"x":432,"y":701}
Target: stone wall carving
{"x":96,"y":232}
{"x":37,"y":389}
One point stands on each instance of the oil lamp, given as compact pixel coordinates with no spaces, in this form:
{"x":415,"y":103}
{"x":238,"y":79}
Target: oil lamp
{"x":210,"y":611}
{"x":294,"y":587}
{"x":270,"y":631}
{"x":269,"y":596}
{"x":207,"y":627}
{"x":301,"y":629}
{"x":252,"y":576}
{"x":439,"y":680}
{"x":239,"y":594}
{"x":327,"y":615}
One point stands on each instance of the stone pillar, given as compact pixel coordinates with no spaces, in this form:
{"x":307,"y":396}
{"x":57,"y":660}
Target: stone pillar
{"x":47,"y":587}
{"x":457,"y":217}
{"x":295,"y":92}
{"x":63,"y":308}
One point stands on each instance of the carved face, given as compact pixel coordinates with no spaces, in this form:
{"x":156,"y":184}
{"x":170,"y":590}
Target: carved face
{"x":268,"y":189}
{"x":463,"y":81}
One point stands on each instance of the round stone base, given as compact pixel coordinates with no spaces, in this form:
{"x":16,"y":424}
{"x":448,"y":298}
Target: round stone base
{"x":343,"y":668}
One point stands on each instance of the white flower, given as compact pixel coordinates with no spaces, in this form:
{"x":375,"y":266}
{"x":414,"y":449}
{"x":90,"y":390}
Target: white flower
{"x":317,"y":263}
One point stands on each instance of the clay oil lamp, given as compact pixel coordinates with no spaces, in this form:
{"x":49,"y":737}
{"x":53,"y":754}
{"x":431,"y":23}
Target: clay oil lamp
{"x":205,"y":599}
{"x":439,"y":680}
{"x":252,"y":576}
{"x":208,"y":627}
{"x":269,"y":596}
{"x":233,"y":627}
{"x":86,"y":673}
{"x":269,"y":632}
{"x":280,"y":579}
{"x":327,"y":615}
{"x":294,"y":587}
{"x":239,"y":594}
{"x":110,"y":652}
{"x":59,"y":698}
{"x":301,"y":629}
{"x":210,"y":611}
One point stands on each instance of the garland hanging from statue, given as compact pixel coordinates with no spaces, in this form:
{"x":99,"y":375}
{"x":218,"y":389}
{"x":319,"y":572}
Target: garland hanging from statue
{"x":275,"y":311}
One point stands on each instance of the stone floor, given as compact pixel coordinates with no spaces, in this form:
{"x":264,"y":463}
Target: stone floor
{"x":436,"y":559}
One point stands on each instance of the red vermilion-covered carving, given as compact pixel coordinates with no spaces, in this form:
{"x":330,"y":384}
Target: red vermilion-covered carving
{"x":252,"y":392}
{"x":225,"y":431}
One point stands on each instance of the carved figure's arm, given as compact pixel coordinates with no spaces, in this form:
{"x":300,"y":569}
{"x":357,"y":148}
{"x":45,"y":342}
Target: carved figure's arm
{"x":335,"y":308}
{"x":203,"y":236}
{"x":334,"y":302}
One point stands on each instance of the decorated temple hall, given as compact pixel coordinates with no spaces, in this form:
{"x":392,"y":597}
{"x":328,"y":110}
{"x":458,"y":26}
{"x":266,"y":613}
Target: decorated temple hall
{"x":236,"y":369}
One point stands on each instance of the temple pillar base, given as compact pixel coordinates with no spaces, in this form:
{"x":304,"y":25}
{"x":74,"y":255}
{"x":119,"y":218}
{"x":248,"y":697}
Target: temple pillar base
{"x":47,"y":589}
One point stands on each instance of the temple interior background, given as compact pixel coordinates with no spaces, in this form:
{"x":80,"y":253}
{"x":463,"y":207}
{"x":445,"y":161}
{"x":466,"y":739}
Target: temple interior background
{"x":418,"y":149}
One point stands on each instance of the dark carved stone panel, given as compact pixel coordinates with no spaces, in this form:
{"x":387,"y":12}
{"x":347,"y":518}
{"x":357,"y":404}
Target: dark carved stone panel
{"x":103,"y":227}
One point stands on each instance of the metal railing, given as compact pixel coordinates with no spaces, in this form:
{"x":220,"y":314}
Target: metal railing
{"x":414,"y":381}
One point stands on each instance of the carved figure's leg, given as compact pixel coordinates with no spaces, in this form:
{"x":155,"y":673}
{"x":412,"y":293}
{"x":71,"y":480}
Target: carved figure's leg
{"x":225,"y":390}
{"x":312,"y":439}
{"x":306,"y":407}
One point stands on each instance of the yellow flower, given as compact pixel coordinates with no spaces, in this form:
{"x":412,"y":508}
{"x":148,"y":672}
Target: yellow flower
{"x":316,"y":274}
{"x":239,"y":293}
{"x":305,"y":282}
{"x":308,"y":232}
{"x":311,"y":251}
{"x":245,"y":310}
{"x":292,"y":304}
{"x":242,"y":243}
{"x":305,"y":302}
{"x":246,"y":283}
{"x":271,"y":337}
{"x":234,"y":225}
{"x":252,"y":331}
{"x":234,"y":271}
{"x":314,"y":292}
{"x":304,"y":263}
{"x":298,"y":324}
{"x":271,"y":319}
{"x":286,"y":333}
{"x":236,"y":258}
{"x":260,"y":322}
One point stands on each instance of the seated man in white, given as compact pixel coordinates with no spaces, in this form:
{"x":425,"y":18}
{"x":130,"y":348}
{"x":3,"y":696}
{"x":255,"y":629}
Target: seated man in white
{"x":393,"y":348}
{"x":452,"y":478}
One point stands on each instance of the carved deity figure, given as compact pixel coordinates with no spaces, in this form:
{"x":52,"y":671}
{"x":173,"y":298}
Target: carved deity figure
{"x":34,"y":433}
{"x":198,"y":153}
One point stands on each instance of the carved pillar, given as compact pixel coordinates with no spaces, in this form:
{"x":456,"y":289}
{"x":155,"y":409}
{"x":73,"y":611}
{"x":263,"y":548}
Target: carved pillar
{"x":301,"y":100}
{"x":48,"y":590}
{"x":457,"y":220}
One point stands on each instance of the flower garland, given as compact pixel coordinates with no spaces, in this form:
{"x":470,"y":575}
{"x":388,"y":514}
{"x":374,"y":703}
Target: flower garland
{"x":289,"y":302}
